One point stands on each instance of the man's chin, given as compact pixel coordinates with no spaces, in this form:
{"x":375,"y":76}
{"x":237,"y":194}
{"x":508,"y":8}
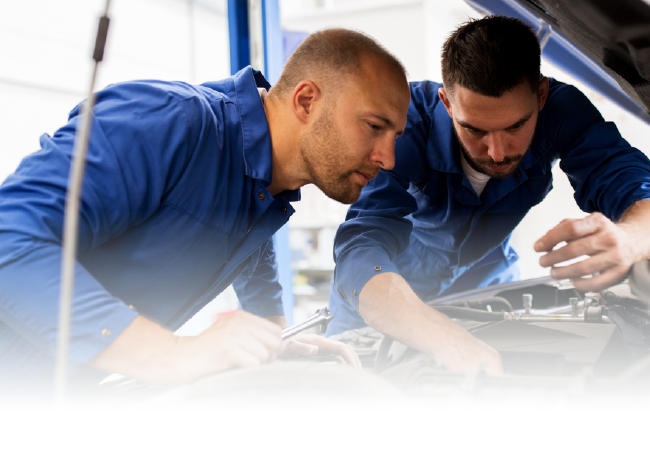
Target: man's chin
{"x":347,"y":197}
{"x":501,"y":173}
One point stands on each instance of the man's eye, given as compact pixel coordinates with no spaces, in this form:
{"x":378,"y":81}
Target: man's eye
{"x":516,"y":127}
{"x":374,"y":127}
{"x":474,"y":132}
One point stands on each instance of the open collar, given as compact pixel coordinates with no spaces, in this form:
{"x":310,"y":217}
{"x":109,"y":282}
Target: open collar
{"x":255,"y":128}
{"x":442,"y":145}
{"x":256,"y":135}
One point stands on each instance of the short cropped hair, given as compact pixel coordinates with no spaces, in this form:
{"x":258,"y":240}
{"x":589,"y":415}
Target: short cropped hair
{"x":491,"y":56}
{"x":329,"y":56}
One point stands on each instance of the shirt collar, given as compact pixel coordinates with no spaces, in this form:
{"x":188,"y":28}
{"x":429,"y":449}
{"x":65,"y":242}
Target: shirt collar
{"x":441,"y":138}
{"x":255,"y":128}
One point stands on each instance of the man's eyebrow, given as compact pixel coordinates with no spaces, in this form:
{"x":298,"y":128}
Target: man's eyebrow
{"x":514,"y":125}
{"x":388,"y":122}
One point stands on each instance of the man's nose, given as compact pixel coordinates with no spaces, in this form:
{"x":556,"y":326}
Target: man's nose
{"x":383,"y":155}
{"x":496,"y":146}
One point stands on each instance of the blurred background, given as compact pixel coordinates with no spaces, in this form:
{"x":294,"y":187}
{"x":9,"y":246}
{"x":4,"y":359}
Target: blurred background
{"x":45,"y":68}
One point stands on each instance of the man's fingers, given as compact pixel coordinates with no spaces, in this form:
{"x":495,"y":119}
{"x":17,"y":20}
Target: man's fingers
{"x":597,"y":263}
{"x":257,"y":348}
{"x":339,"y":348}
{"x":343,"y":350}
{"x":245,"y":360}
{"x":330,"y":347}
{"x":586,"y":246}
{"x":265,"y":329}
{"x":601,"y":281}
{"x":569,"y":230}
{"x":566,"y":253}
{"x":266,"y":325}
{"x":293,"y":347}
{"x":490,"y":360}
{"x":257,"y":335}
{"x":493,"y":368}
{"x":350,"y":356}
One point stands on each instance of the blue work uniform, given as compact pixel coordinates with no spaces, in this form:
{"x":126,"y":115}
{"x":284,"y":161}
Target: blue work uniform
{"x":174,"y":208}
{"x":424,"y":221}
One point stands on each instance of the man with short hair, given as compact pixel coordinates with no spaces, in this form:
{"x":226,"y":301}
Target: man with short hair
{"x":185,"y":187}
{"x":476,"y":156}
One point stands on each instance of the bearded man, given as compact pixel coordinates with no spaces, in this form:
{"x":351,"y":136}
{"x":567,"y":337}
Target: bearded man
{"x":476,"y":156}
{"x":184,"y":189}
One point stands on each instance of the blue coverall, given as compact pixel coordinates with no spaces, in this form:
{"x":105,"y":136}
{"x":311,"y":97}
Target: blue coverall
{"x":424,"y":221}
{"x":174,"y":208}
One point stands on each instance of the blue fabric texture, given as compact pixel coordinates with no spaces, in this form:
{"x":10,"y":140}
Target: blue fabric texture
{"x":424,"y":221}
{"x":174,"y":208}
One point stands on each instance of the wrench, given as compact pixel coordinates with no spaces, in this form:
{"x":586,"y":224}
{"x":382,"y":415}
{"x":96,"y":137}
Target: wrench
{"x":321,"y":318}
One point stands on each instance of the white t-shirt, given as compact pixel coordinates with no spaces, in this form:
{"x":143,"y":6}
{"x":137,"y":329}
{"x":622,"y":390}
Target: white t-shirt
{"x":476,"y":179}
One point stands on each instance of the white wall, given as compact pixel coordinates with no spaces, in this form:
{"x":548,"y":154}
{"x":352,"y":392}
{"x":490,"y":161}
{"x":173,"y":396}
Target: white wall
{"x":414,"y":30}
{"x":559,"y":204}
{"x":46,"y":48}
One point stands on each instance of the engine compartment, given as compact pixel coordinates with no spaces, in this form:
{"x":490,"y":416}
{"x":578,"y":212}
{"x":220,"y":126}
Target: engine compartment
{"x":597,"y":342}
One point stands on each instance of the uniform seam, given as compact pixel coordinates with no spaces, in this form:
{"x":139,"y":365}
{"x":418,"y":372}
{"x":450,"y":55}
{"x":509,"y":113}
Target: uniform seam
{"x":193,"y":216}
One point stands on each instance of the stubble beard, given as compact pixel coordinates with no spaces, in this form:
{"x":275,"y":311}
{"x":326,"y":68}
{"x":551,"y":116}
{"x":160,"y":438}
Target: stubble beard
{"x":324,"y":155}
{"x":481,"y":166}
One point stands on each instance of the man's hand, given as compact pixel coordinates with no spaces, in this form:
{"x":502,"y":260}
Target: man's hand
{"x":388,"y":304}
{"x":148,"y":352}
{"x":312,"y":344}
{"x":611,"y":249}
{"x":240,"y":340}
{"x":464,"y":354}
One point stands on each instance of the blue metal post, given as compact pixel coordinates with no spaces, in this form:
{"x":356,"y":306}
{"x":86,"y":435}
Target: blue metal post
{"x":273,"y":61}
{"x":238,"y":34}
{"x":273,"y":45}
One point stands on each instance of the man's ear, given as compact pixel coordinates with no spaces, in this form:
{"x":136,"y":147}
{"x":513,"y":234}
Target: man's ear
{"x":445,"y":100}
{"x":542,"y":94}
{"x":305,"y":96}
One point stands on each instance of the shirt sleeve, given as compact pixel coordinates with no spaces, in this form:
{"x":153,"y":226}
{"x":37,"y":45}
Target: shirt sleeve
{"x":258,"y":289}
{"x":606,"y":172}
{"x":140,"y":140}
{"x":376,"y":228}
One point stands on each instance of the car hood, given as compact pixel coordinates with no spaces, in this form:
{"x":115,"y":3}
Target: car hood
{"x":605,"y":44}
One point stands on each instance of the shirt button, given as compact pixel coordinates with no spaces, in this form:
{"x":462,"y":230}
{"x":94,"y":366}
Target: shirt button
{"x":132,"y":307}
{"x":517,"y":175}
{"x":283,"y":209}
{"x":106,"y":332}
{"x":261,"y":196}
{"x":354,"y":293}
{"x":377,"y":268}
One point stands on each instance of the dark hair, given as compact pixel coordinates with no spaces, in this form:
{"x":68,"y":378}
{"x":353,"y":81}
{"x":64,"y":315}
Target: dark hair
{"x":491,"y":56}
{"x":329,"y":56}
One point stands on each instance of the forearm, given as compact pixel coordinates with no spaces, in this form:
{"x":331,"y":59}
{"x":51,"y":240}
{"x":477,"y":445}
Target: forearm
{"x":146,"y":351}
{"x":637,"y":219}
{"x":388,"y":304}
{"x":278,"y":320}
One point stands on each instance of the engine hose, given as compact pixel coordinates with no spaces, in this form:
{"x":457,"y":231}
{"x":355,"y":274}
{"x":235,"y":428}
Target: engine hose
{"x":457,"y":312}
{"x":381,"y":359}
{"x":640,"y":279}
{"x":494,"y":302}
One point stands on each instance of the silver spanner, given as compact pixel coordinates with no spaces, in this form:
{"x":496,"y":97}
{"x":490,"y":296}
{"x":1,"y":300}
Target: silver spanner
{"x":321,"y":318}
